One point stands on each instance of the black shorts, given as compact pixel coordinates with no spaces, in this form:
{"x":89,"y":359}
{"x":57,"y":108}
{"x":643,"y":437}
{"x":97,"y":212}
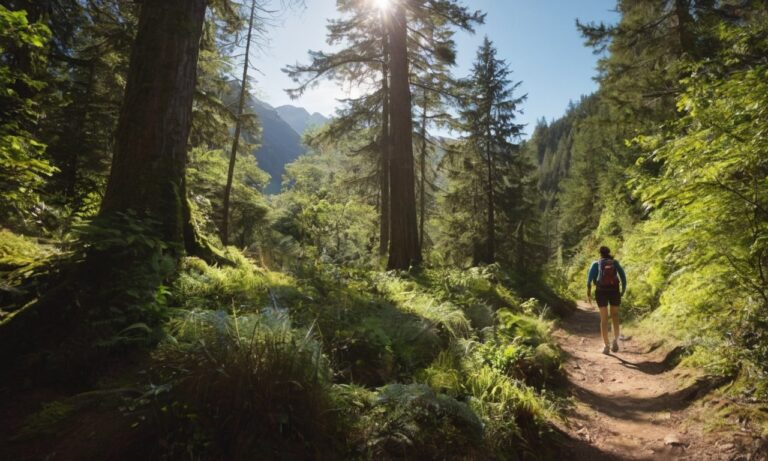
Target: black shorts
{"x":605,"y":297}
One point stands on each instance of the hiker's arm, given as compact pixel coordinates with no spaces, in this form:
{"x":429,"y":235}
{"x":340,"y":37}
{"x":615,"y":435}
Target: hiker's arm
{"x":591,"y":277}
{"x":622,"y":276}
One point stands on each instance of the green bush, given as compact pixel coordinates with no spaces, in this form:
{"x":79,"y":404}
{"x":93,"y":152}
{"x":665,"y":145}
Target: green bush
{"x":413,"y":422}
{"x":241,"y":387}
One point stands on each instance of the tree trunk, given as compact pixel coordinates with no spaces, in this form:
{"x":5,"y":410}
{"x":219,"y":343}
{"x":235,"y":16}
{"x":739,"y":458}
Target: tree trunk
{"x":238,"y":127}
{"x":404,"y":250}
{"x":110,"y":290}
{"x":490,"y":256}
{"x":423,"y":178}
{"x":386,"y":147}
{"x":685,"y":25}
{"x":73,"y":160}
{"x":149,"y":164}
{"x":521,"y":257}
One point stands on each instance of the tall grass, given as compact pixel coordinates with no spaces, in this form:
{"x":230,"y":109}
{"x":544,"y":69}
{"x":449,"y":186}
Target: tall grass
{"x":242,"y":387}
{"x":410,"y":297}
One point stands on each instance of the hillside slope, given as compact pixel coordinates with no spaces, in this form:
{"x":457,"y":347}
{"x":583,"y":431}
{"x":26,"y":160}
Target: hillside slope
{"x":300,"y":119}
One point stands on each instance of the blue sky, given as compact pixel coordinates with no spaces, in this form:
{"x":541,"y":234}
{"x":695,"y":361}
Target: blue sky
{"x":537,"y":38}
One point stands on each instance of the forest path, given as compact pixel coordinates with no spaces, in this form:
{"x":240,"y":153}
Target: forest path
{"x":629,"y":405}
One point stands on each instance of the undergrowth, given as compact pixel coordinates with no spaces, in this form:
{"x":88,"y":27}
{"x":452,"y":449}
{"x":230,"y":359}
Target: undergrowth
{"x":337,"y":363}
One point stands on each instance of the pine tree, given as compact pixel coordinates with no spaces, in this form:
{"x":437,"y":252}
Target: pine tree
{"x":649,"y":50}
{"x":489,"y":120}
{"x":434,"y":90}
{"x":404,"y":250}
{"x":362,"y":62}
{"x":366,"y":60}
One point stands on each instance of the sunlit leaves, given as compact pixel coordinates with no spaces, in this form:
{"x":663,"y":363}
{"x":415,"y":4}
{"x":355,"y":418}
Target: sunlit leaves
{"x":23,"y":165}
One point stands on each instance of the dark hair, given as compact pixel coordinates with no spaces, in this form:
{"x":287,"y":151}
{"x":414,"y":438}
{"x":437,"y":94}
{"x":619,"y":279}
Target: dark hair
{"x":605,"y":252}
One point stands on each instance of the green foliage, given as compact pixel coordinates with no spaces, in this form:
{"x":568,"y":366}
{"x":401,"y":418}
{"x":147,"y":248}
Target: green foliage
{"x":498,"y":379}
{"x":23,"y":164}
{"x":448,"y":317}
{"x":710,"y":197}
{"x":413,"y":422}
{"x":131,"y":307}
{"x":490,"y":189}
{"x":26,"y":267}
{"x":238,"y":288}
{"x":17,"y":251}
{"x":47,"y":421}
{"x":238,"y":386}
{"x":206,"y":176}
{"x":324,"y":211}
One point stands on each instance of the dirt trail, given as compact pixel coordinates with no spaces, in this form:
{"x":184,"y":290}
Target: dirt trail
{"x":631,"y":404}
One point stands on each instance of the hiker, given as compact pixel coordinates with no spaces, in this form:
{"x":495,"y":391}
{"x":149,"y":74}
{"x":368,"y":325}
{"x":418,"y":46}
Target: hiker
{"x":605,"y":273}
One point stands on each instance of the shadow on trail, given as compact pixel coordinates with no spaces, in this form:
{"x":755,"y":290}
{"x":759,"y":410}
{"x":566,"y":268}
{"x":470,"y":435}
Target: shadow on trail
{"x":649,"y":368}
{"x":578,"y":449}
{"x":581,"y":322}
{"x":627,"y":407}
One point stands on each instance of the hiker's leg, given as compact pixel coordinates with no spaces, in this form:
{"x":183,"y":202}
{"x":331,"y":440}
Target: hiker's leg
{"x":615,"y":320}
{"x":604,"y":324}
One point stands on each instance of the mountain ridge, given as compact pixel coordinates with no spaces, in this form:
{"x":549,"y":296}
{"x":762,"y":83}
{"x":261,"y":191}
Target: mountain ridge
{"x":300,"y":119}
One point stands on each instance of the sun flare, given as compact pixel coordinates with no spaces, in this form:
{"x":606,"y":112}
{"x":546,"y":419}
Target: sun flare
{"x":382,"y":5}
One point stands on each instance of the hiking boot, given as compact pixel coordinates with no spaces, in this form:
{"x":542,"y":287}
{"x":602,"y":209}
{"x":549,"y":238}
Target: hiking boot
{"x":606,"y":350}
{"x":615,"y":346}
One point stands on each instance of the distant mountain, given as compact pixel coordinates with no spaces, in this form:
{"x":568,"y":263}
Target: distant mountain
{"x":300,"y":119}
{"x":281,"y":131}
{"x":280,"y":143}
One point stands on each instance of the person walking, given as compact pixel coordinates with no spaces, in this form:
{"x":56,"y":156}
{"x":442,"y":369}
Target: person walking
{"x":605,"y":273}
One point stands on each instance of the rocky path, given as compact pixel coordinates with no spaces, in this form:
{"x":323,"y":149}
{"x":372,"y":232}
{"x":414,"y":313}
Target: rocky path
{"x":632,"y":404}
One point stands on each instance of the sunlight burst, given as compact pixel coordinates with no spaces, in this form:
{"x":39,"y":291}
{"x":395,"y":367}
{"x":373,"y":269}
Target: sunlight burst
{"x":382,"y":5}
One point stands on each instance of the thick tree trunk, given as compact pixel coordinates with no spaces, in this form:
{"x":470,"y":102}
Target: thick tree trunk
{"x":111,"y":288}
{"x":386,"y":147}
{"x":404,"y":250}
{"x":147,"y":174}
{"x":238,"y":128}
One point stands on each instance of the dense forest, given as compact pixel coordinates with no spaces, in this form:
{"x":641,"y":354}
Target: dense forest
{"x":397,"y":293}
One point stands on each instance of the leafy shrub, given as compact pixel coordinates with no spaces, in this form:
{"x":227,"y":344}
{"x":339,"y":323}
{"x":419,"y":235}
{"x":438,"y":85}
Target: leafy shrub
{"x":413,"y":422}
{"x":445,"y":374}
{"x":409,"y":296}
{"x":21,"y":260}
{"x":17,"y":251}
{"x":200,"y":286}
{"x":523,"y":329}
{"x":239,"y":387}
{"x":47,"y":420}
{"x":514,"y":414}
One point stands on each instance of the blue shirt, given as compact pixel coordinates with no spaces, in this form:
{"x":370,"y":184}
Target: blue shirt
{"x":594,"y":272}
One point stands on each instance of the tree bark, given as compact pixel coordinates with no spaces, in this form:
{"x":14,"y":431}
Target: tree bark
{"x":423,"y":166}
{"x":147,"y":180}
{"x":149,"y":164}
{"x":238,"y":128}
{"x":685,"y":25}
{"x":490,"y":256}
{"x":386,"y":147}
{"x":404,"y":250}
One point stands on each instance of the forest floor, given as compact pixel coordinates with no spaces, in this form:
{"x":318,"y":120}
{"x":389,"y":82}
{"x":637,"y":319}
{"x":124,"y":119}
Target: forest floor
{"x":635,"y":404}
